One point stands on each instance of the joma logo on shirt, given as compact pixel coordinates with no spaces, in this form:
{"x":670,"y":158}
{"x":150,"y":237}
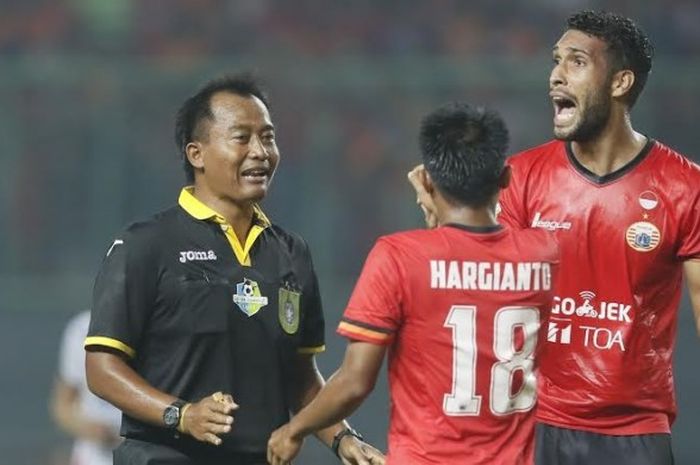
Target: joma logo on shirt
{"x":196,"y":255}
{"x":550,"y":225}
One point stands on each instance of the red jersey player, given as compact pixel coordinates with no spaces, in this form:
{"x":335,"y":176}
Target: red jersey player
{"x":459,"y":308}
{"x":626,"y":210}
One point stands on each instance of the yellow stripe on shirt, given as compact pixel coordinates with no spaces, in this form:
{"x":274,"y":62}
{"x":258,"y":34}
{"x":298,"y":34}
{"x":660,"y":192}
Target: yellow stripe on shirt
{"x":111,"y":343}
{"x":311,"y":350}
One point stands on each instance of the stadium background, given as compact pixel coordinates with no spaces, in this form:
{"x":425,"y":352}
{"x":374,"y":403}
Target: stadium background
{"x":88,"y":90}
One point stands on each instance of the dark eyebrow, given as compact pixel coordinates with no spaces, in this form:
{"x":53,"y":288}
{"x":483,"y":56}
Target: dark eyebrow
{"x":571,"y":49}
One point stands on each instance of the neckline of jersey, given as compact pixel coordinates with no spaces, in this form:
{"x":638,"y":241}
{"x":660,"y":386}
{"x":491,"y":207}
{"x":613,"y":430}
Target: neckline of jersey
{"x":202,"y":212}
{"x":615,"y":175}
{"x":476,"y":229}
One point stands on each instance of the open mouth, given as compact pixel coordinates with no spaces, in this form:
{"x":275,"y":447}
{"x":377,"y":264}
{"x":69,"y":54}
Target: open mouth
{"x":255,"y":174}
{"x":564,"y":109}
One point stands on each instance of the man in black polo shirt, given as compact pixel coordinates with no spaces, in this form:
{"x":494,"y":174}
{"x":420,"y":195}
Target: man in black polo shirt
{"x":206,"y":316}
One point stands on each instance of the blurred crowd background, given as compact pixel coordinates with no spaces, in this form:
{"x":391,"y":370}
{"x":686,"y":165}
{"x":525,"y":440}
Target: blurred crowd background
{"x":88,"y":92}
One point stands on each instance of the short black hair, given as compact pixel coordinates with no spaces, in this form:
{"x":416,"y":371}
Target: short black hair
{"x":197,"y":109}
{"x":629,"y":46}
{"x":464,"y":151}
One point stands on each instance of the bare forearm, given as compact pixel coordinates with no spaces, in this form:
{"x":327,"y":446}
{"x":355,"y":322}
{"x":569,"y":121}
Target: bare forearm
{"x":336,"y":401}
{"x":314,"y":385}
{"x":112,"y":379}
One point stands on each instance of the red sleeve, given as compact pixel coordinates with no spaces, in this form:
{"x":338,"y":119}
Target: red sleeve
{"x":374,"y":311}
{"x":511,"y":202}
{"x":690,"y":230}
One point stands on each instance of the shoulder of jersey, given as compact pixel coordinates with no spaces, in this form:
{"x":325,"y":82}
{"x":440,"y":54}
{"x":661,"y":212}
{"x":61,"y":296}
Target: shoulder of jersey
{"x":154,"y":222}
{"x":535,"y":154}
{"x":412,"y":238}
{"x":291,"y":239}
{"x":683,"y":166}
{"x":151,"y":228}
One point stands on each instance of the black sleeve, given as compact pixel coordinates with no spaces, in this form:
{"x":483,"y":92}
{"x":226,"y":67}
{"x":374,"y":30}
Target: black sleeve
{"x":124,"y":293}
{"x":312,"y":322}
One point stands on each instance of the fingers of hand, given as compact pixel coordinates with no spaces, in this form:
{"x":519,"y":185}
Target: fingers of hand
{"x":376,"y":457}
{"x":221,"y":407}
{"x":212,"y":439}
{"x":223,"y":399}
{"x":276,"y":460}
{"x":220,"y":418}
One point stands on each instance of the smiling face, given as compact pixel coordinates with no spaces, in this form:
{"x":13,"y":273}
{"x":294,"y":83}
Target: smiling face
{"x":236,"y":156}
{"x":580,"y":86}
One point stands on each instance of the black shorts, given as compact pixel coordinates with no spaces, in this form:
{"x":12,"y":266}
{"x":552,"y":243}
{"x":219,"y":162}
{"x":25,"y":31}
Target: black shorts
{"x":135,"y":452}
{"x":561,"y":446}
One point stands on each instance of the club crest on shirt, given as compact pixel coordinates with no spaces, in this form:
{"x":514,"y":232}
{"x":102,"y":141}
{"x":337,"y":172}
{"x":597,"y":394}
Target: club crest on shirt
{"x":248,"y":297}
{"x":289,"y":310}
{"x":643,"y":236}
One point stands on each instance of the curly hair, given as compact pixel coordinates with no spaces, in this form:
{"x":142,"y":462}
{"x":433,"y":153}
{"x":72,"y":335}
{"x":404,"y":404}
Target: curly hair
{"x":464,"y":151}
{"x":628,"y":45}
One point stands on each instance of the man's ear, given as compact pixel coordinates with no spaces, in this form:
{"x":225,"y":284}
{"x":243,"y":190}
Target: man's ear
{"x":622,"y":83}
{"x":195,"y":156}
{"x":504,"y":178}
{"x":427,"y":182}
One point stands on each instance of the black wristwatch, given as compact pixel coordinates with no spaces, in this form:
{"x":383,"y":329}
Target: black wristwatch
{"x":171,"y":414}
{"x":340,"y":435}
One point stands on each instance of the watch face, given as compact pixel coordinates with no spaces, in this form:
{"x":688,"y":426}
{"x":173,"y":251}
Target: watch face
{"x":171,"y":416}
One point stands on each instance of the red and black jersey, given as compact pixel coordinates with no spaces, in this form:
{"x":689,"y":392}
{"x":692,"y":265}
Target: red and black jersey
{"x":607,"y":364}
{"x":460,"y":308}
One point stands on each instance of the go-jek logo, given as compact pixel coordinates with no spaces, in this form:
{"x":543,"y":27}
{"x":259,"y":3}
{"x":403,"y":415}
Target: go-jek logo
{"x":612,"y":311}
{"x":564,"y":329}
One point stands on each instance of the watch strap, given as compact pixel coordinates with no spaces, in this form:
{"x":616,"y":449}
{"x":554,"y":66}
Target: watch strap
{"x":340,"y":435}
{"x":178,"y":404}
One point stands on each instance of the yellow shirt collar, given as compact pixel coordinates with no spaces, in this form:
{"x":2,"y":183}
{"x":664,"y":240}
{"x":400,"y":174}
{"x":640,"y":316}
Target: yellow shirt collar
{"x":199,"y":211}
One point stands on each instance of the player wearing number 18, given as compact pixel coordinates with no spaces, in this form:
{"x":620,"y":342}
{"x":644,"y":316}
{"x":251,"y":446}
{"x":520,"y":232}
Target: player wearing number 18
{"x":458,"y":306}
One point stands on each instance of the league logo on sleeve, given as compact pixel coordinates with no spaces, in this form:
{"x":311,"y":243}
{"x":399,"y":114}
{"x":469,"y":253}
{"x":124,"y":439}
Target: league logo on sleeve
{"x":248,"y":297}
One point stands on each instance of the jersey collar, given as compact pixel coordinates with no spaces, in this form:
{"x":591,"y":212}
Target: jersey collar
{"x":615,"y":175}
{"x":198,"y":210}
{"x":476,"y":229}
